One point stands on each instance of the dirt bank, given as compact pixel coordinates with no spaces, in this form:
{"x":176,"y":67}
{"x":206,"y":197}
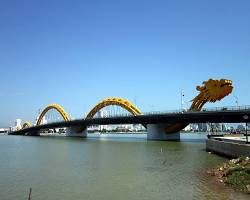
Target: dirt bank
{"x":235,"y":173}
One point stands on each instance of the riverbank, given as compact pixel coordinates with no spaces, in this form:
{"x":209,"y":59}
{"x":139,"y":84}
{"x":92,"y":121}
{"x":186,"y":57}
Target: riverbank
{"x":234,"y":173}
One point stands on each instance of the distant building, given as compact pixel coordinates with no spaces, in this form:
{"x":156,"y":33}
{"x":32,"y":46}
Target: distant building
{"x":191,"y":127}
{"x":102,"y":114}
{"x":4,"y":130}
{"x":241,"y":127}
{"x":17,"y":126}
{"x":187,"y":128}
{"x":203,"y":127}
{"x":194,"y":127}
{"x":224,"y":127}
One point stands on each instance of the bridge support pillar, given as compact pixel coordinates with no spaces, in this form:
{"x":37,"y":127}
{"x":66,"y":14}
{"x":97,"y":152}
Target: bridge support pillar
{"x":157,"y":132}
{"x":70,"y":132}
{"x":32,"y":133}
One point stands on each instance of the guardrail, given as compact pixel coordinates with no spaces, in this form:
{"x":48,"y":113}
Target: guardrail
{"x":227,"y":108}
{"x":214,"y":109}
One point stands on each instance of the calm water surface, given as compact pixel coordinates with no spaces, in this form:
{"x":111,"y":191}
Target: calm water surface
{"x":107,"y":168}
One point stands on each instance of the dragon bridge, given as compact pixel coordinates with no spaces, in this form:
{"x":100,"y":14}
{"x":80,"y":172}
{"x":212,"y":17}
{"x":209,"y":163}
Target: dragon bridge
{"x":211,"y":91}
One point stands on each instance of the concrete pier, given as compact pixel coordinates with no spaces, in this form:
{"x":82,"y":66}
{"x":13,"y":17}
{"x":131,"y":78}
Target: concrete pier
{"x":71,"y":132}
{"x":32,"y":133}
{"x":157,"y":132}
{"x":228,"y":148}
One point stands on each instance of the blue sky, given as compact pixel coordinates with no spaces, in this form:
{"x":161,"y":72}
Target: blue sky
{"x":75,"y":53}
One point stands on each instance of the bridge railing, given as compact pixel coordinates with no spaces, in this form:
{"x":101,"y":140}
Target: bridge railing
{"x":213,"y":109}
{"x":227,"y":108}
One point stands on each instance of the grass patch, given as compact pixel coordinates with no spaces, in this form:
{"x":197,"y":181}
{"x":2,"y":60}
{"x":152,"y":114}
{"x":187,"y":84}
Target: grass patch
{"x":239,"y":179}
{"x":235,"y":173}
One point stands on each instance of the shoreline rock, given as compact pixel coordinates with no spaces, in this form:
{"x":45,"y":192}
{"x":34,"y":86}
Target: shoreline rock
{"x":235,"y":173}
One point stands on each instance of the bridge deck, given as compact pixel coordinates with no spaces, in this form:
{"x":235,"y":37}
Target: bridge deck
{"x":227,"y":116}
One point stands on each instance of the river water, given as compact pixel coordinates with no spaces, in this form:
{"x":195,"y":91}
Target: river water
{"x":117,"y":167}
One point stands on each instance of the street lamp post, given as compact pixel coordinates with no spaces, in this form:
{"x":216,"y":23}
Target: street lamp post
{"x":236,"y":101}
{"x":182,"y":95}
{"x":246,"y":117}
{"x":246,"y":134}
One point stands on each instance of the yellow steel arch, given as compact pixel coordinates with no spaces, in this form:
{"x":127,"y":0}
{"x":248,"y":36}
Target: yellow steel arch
{"x":127,"y":105}
{"x":26,"y":124}
{"x":56,"y":107}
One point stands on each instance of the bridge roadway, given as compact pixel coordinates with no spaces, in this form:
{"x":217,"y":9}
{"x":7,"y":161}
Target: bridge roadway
{"x":168,"y":118}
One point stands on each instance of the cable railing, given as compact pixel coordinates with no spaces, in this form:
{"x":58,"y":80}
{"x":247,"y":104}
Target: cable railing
{"x":227,"y":108}
{"x":214,"y":109}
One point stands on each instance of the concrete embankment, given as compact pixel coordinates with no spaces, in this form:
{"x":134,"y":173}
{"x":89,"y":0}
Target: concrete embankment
{"x":230,"y":148}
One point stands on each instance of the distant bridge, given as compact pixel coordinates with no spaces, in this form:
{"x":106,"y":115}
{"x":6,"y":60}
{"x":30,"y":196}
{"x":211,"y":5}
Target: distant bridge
{"x":160,"y":126}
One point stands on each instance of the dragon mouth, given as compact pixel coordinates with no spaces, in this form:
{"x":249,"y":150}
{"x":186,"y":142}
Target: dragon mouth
{"x":227,"y":83}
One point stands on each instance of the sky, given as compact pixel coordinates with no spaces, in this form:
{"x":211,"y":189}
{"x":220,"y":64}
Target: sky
{"x":78,"y":52}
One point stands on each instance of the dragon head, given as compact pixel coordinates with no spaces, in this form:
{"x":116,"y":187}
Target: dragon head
{"x":214,"y":90}
{"x":210,"y":91}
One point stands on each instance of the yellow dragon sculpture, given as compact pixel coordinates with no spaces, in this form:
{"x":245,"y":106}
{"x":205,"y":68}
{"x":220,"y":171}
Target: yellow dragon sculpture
{"x":211,"y":91}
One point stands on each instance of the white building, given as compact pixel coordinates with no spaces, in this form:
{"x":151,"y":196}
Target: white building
{"x":4,"y":130}
{"x":102,"y":114}
{"x":18,"y":125}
